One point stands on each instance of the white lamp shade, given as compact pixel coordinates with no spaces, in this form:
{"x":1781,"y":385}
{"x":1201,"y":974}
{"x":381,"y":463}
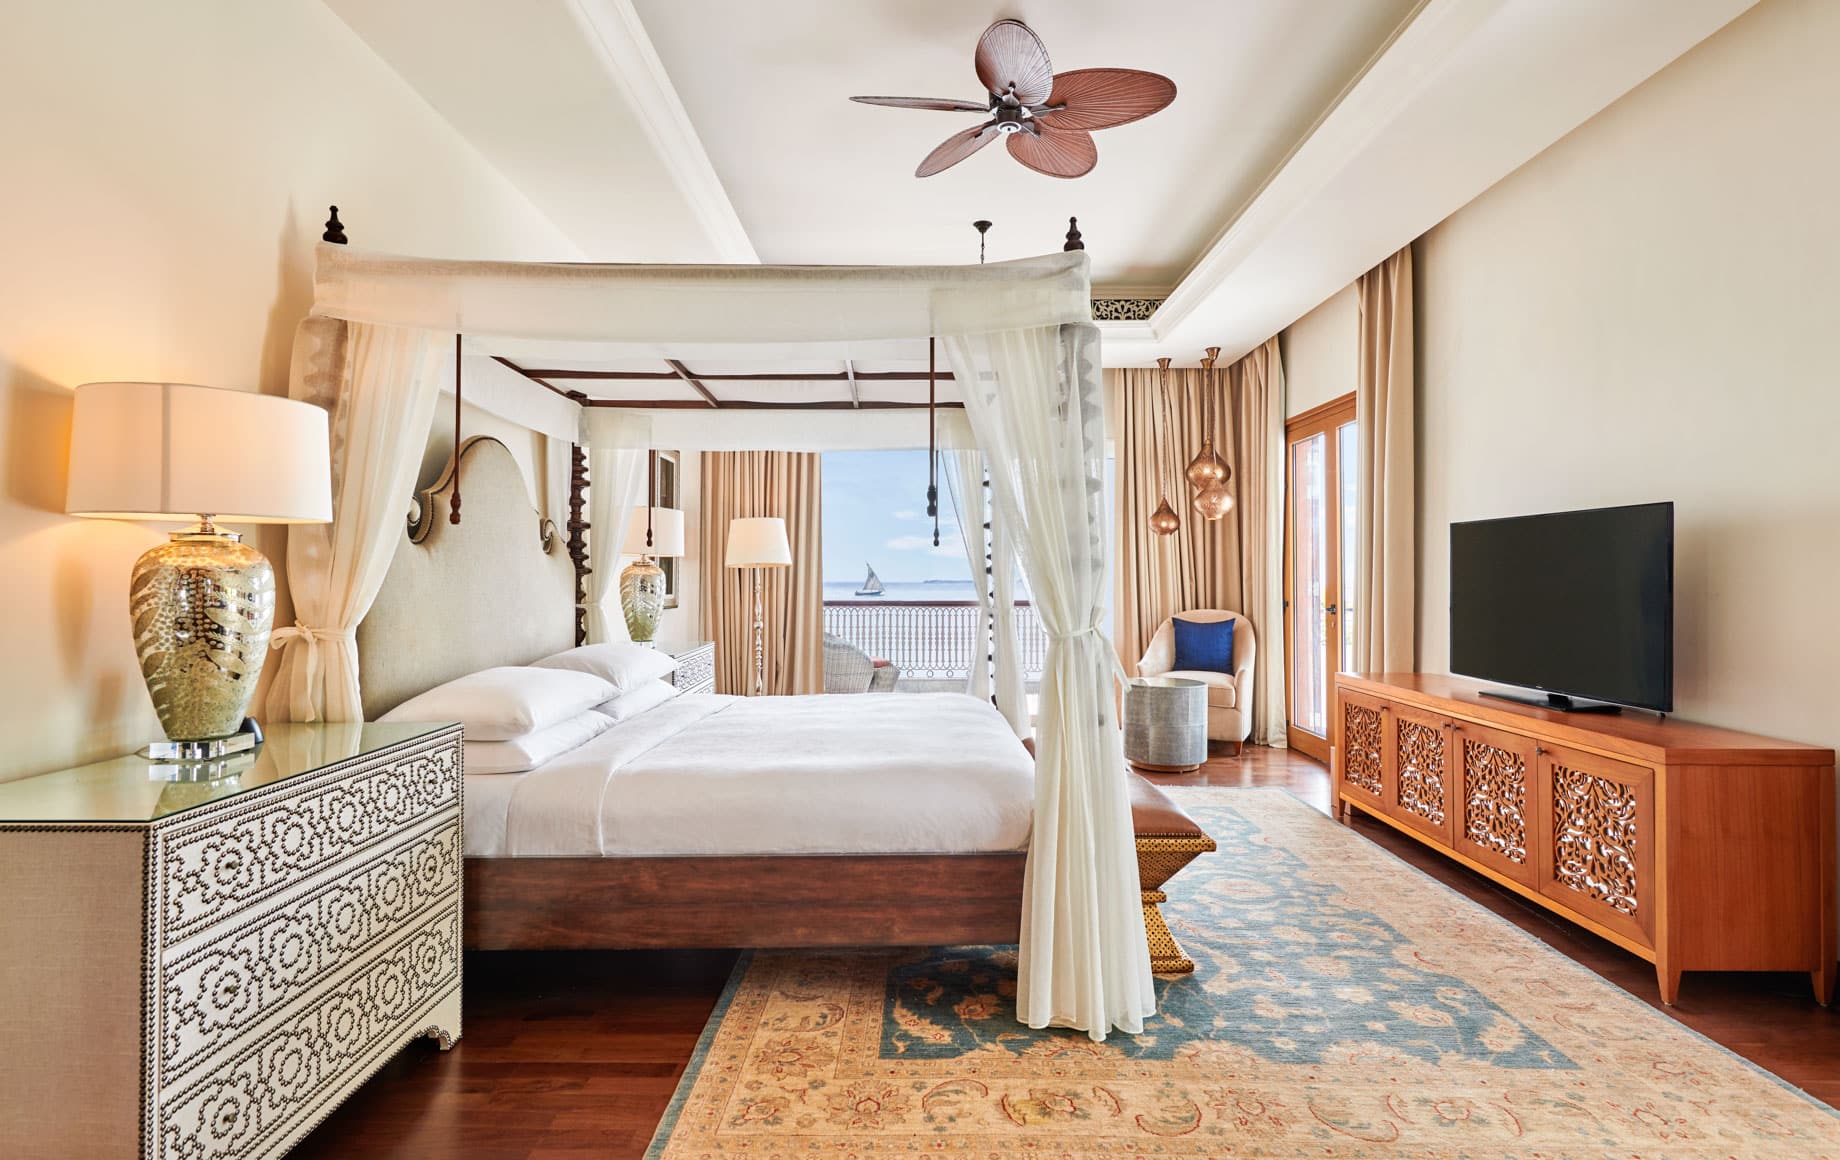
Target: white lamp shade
{"x":667,"y":533}
{"x":758,"y":542}
{"x":170,"y":451}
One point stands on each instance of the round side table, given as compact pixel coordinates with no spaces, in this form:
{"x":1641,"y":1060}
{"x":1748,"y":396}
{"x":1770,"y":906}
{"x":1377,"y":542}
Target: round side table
{"x":1165,"y":724}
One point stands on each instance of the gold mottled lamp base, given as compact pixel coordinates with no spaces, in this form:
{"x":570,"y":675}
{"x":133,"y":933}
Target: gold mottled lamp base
{"x":642,"y":599}
{"x":201,"y":605}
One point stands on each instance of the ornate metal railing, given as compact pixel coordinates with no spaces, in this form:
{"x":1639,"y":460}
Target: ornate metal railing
{"x":931,"y":640}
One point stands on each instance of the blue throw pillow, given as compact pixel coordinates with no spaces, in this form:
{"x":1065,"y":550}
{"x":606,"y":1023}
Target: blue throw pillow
{"x":1204,"y":647}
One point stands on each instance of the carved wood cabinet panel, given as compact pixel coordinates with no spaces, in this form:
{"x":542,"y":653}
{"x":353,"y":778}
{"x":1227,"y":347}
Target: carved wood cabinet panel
{"x":1419,"y":749}
{"x":1361,"y":748}
{"x":1496,"y":792}
{"x":1695,"y":847}
{"x":288,"y":938}
{"x":1599,"y":854}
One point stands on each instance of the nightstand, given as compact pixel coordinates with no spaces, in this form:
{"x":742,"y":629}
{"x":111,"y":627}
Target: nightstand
{"x":696,"y":666}
{"x":205,"y":968}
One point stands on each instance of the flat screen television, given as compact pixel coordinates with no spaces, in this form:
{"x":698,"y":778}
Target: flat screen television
{"x":1573,"y":604}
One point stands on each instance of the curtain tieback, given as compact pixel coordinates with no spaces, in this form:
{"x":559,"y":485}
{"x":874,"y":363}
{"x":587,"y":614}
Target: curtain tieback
{"x":1105,"y":642}
{"x":312,"y":635}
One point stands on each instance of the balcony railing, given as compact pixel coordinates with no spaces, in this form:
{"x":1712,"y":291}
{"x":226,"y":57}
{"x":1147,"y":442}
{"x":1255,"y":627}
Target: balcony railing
{"x":932,"y":640}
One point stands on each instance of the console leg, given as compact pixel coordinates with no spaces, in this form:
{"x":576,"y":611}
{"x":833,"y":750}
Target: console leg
{"x":1824,"y":984}
{"x":1669,"y":978}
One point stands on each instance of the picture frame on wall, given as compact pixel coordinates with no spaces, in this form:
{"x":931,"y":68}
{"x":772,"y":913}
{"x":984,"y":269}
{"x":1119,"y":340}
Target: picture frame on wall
{"x":665,"y":487}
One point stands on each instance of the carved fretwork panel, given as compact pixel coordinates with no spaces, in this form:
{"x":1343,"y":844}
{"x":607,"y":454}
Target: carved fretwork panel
{"x":1362,"y":737}
{"x":1422,"y":768}
{"x":1495,"y":799}
{"x":1594,"y":837}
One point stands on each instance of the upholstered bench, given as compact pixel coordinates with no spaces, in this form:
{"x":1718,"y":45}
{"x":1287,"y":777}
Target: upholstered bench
{"x":1167,"y":840}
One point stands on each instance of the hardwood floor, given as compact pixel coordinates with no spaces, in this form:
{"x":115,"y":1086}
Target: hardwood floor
{"x":574,"y":1054}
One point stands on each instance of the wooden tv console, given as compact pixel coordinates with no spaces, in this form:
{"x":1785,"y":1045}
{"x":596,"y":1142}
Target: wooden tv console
{"x":1699,"y":849}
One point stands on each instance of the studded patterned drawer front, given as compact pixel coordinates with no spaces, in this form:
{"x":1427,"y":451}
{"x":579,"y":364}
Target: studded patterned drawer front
{"x":258,"y":847}
{"x":242,"y":975}
{"x":1422,"y":769}
{"x":251,"y":1102}
{"x":1594,"y":837}
{"x":1495,"y":799}
{"x":696,"y":670}
{"x":1362,"y":734}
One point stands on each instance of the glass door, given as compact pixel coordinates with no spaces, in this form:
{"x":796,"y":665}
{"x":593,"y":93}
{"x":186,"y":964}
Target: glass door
{"x":1318,"y":574}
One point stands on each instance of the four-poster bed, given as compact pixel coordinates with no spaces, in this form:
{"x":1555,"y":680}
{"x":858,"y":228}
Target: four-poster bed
{"x":1023,"y":351}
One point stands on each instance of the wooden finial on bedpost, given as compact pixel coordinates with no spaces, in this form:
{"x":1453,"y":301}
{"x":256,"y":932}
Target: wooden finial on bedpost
{"x":1074,"y":241}
{"x":335,"y":229}
{"x":578,"y":528}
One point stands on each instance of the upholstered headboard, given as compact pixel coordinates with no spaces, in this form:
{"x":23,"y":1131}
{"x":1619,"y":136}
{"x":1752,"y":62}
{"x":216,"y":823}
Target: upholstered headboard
{"x":498,"y":588}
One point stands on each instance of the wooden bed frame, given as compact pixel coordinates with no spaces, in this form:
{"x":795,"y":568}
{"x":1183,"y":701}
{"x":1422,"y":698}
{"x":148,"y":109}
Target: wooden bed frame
{"x":495,"y":585}
{"x":449,"y":592}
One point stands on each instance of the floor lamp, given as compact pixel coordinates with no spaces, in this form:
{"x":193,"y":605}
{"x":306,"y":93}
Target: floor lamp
{"x":756,"y":542}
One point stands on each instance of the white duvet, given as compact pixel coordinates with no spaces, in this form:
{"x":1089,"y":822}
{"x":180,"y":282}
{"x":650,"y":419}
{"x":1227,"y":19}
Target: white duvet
{"x":715,"y":775}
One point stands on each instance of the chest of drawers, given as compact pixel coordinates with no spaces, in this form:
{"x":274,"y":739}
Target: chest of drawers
{"x":203,"y":970}
{"x":696,"y":666}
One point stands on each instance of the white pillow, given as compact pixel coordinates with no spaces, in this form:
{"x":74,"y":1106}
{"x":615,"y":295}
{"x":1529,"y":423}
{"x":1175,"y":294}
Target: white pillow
{"x":503,"y":703}
{"x":649,"y":695}
{"x":533,"y":749}
{"x":621,"y":664}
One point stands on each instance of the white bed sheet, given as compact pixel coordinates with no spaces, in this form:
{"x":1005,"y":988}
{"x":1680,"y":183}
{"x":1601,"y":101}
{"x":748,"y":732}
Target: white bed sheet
{"x":716,"y":775}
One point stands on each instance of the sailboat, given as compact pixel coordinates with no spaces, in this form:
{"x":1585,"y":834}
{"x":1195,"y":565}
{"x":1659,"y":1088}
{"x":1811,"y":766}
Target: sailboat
{"x":872,"y":584}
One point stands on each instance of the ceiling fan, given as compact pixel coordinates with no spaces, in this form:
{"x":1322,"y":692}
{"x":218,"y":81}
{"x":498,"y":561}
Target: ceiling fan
{"x":1048,"y":119}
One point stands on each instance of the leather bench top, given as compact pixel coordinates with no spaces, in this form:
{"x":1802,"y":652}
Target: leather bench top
{"x":1153,"y":811}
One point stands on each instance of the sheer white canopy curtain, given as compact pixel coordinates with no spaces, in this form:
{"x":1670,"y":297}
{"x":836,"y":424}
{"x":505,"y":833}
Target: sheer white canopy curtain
{"x":617,"y":443}
{"x":1022,"y":346}
{"x":996,"y":661}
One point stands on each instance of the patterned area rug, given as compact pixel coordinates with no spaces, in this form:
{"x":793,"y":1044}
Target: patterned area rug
{"x":1344,"y":1004}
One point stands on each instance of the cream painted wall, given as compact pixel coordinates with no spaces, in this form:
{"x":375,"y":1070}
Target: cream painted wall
{"x":1648,"y":311}
{"x":167,"y":166}
{"x":1321,"y":353}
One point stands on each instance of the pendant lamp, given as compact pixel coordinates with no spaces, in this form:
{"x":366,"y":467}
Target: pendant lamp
{"x":1163,"y":521}
{"x":1206,"y":468}
{"x":1207,"y":473}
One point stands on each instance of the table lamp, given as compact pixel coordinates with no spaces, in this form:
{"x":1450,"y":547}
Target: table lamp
{"x":202,"y":603}
{"x":756,"y":542}
{"x":652,"y":532}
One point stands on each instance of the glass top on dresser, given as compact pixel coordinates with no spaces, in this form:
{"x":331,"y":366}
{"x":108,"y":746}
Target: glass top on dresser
{"x":136,"y":789}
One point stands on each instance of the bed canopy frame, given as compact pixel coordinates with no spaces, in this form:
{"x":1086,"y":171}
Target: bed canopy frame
{"x":1022,"y":350}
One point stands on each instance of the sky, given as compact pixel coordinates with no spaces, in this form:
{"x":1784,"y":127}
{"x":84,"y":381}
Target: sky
{"x":875,"y":513}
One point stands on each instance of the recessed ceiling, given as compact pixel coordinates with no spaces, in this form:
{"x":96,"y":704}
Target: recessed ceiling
{"x":817,"y":179}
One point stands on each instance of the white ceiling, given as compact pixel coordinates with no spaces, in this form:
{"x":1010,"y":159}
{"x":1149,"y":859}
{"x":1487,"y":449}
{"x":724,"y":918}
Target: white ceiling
{"x":816,"y":178}
{"x":1308,"y":139}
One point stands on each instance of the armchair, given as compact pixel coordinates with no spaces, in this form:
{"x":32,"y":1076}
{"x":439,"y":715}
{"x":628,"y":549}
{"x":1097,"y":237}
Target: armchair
{"x":1229,"y":695}
{"x":848,"y":669}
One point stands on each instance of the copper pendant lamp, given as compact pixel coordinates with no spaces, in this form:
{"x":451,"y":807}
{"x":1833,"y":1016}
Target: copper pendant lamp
{"x":1207,"y":473}
{"x":1163,"y":521}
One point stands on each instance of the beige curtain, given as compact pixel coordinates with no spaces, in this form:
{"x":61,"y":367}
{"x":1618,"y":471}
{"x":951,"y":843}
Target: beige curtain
{"x":1199,"y":566}
{"x":1258,"y":458}
{"x":764,"y":483}
{"x":1385,"y":630}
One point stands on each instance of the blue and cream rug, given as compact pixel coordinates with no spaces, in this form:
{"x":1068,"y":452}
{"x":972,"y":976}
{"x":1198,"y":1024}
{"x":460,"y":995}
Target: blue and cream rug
{"x":1343,"y":1005}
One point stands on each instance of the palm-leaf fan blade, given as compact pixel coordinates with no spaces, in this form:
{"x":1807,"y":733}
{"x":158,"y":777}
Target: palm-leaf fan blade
{"x":1010,"y":54}
{"x":1071,"y":153}
{"x":1101,"y":98}
{"x":944,"y":104}
{"x":956,"y":148}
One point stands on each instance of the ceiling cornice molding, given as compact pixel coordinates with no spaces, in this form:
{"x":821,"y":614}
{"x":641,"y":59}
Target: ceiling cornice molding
{"x":614,"y":26}
{"x":1392,"y":81}
{"x":1467,"y":92}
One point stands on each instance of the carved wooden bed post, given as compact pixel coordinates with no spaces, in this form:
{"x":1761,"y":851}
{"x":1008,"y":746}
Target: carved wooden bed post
{"x":578,"y":528}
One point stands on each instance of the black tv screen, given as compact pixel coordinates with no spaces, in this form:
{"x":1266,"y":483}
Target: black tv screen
{"x":1579,"y":604}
